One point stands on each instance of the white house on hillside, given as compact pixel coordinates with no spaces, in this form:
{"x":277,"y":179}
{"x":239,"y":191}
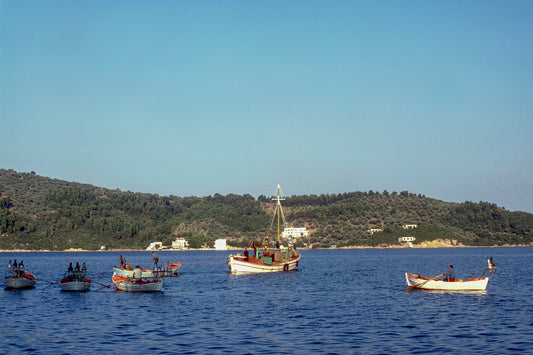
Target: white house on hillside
{"x":220,"y":244}
{"x":291,"y":232}
{"x":154,"y":245}
{"x":180,"y":243}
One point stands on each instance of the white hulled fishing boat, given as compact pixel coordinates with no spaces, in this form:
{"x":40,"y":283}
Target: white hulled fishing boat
{"x":425,"y":283}
{"x":16,"y":277}
{"x":267,"y":260}
{"x":129,"y":284}
{"x":75,"y":281}
{"x":418,"y":282}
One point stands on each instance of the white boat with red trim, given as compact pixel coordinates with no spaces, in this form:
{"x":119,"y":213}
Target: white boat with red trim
{"x":129,"y":284}
{"x":75,"y":281}
{"x":16,"y":277}
{"x":417,"y":282}
{"x":265,"y":260}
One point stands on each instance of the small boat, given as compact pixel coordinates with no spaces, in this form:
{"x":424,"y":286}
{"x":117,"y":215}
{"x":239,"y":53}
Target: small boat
{"x":129,"y":284}
{"x":17,"y":277}
{"x":169,"y":270}
{"x":417,"y":282}
{"x":75,"y":281}
{"x":266,"y":260}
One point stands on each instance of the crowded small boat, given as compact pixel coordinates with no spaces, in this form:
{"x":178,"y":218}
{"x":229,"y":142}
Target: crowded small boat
{"x":17,"y":277}
{"x":75,"y":279}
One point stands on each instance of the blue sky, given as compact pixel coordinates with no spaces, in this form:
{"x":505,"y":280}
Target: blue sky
{"x":193,"y":98}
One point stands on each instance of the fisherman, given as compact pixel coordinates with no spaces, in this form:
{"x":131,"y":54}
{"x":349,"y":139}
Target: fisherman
{"x":84,"y":269}
{"x":450,"y":274}
{"x":137,"y":273}
{"x":122,"y":262}
{"x":10,"y":266}
{"x":70,"y":268}
{"x":246,"y":255}
{"x":155,"y":257}
{"x":77,"y":268}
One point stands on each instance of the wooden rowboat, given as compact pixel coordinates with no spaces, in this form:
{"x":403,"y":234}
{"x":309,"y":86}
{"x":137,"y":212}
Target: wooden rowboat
{"x":128,"y":284}
{"x":417,"y":282}
{"x":18,"y":278}
{"x":75,"y":282}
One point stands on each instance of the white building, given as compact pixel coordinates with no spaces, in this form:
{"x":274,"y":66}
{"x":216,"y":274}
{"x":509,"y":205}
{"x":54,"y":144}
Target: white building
{"x":406,"y":239}
{"x":180,"y":243}
{"x":375,"y":230}
{"x":291,"y":232}
{"x":154,"y":245}
{"x":410,"y":226}
{"x":220,"y":244}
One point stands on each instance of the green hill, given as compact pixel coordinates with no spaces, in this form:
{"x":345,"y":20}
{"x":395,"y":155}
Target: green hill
{"x":42,"y":213}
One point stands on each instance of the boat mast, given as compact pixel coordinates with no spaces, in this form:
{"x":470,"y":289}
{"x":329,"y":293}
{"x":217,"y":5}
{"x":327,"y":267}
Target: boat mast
{"x":279,"y":211}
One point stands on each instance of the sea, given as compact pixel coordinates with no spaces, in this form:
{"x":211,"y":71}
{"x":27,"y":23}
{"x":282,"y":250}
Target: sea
{"x":337,"y":302}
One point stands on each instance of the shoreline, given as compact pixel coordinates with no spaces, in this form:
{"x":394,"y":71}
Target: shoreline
{"x":72,"y":250}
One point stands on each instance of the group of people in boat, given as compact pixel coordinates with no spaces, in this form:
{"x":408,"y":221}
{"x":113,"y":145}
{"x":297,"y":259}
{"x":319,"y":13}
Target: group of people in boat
{"x":77,"y":269}
{"x":77,"y":272}
{"x":16,"y":268}
{"x":256,"y":246}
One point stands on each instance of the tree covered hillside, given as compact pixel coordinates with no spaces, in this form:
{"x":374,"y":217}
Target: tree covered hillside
{"x":42,"y":213}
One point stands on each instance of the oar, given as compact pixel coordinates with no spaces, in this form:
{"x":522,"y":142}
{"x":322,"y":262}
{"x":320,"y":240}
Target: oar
{"x":423,"y":283}
{"x":98,"y":283}
{"x":46,"y":281}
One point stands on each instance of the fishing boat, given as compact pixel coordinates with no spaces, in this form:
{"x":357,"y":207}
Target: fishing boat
{"x":75,"y":281}
{"x":264,"y":259}
{"x":417,"y":282}
{"x":169,"y":270}
{"x":17,"y":277}
{"x":129,"y":284}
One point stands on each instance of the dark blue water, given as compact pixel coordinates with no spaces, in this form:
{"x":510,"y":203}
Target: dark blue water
{"x":339,"y":302}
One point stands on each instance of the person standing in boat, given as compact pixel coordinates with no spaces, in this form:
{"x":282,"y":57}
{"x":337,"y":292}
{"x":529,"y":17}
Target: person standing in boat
{"x":84,"y":269}
{"x":70,"y":268}
{"x":122,"y":262}
{"x":156,"y":258}
{"x":246,"y":255}
{"x":450,"y":274}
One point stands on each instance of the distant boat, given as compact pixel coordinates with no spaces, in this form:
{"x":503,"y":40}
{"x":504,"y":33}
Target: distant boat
{"x":169,"y":270}
{"x":417,"y":282}
{"x":75,"y":281}
{"x":16,"y":277}
{"x":266,"y":260}
{"x":128,"y":284}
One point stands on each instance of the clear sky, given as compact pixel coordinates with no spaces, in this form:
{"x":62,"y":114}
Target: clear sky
{"x":193,"y":98}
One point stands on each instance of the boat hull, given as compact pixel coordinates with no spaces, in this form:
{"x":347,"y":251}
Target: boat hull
{"x":79,"y":286}
{"x":19,"y":283}
{"x":239,"y":265}
{"x":129,"y":285}
{"x":418,"y":282}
